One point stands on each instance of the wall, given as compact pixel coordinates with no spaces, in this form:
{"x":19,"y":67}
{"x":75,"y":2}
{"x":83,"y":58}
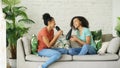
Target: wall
{"x":98,"y":13}
{"x":2,"y":40}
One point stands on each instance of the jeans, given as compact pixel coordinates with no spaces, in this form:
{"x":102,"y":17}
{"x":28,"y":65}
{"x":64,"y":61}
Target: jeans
{"x":54,"y":54}
{"x":85,"y":49}
{"x":61,"y":50}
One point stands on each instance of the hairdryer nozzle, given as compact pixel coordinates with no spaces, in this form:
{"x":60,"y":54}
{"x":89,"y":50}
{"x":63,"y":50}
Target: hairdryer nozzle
{"x":57,"y":28}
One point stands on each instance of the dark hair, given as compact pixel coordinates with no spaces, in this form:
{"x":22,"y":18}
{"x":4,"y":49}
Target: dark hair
{"x":46,"y":18}
{"x":83,"y":20}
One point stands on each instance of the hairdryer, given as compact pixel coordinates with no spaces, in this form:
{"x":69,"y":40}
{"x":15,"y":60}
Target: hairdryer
{"x":69,"y":34}
{"x":58,"y":28}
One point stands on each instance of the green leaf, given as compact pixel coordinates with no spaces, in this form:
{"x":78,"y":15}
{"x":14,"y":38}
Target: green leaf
{"x":11,"y":2}
{"x":117,"y":28}
{"x":28,"y":21}
{"x":8,"y":13}
{"x":19,"y":11}
{"x":6,"y":9}
{"x":10,"y":34}
{"x":118,"y":33}
{"x":99,"y":44}
{"x":97,"y":34}
{"x":22,"y":8}
{"x":9,"y":25}
{"x":119,"y":18}
{"x":93,"y":34}
{"x":21,"y":31}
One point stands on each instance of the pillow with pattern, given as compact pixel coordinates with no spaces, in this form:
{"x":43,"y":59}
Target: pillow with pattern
{"x":62,"y":43}
{"x":34,"y":44}
{"x":97,"y":37}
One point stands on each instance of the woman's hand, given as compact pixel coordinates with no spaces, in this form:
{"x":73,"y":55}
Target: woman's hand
{"x":73,"y":38}
{"x":60,"y":32}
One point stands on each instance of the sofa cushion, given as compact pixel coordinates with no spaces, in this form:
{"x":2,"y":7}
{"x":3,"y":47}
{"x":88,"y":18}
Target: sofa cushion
{"x":103,"y":49}
{"x":26,"y":45}
{"x":114,"y":45}
{"x":74,"y":44}
{"x":96,"y":57}
{"x":32,"y":57}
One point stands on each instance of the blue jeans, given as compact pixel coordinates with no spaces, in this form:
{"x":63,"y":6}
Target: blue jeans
{"x":53,"y":54}
{"x":85,"y":49}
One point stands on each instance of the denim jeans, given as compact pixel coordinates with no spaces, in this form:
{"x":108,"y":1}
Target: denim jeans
{"x":85,"y":49}
{"x":54,"y":54}
{"x":61,"y":50}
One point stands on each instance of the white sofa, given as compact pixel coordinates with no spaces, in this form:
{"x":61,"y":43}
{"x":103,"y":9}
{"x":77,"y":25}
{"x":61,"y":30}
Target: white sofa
{"x":27,"y":60}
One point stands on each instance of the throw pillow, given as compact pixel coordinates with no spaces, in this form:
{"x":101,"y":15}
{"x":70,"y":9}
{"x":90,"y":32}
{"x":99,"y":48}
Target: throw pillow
{"x":114,"y":45}
{"x":34,"y":44}
{"x":62,"y":43}
{"x":74,"y":44}
{"x":97,"y":37}
{"x":103,"y":48}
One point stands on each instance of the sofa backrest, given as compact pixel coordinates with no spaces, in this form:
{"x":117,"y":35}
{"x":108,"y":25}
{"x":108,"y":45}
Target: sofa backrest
{"x":107,"y":37}
{"x":27,"y":43}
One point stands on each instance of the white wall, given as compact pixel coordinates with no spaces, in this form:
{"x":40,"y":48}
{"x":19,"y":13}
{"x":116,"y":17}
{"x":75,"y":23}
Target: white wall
{"x":98,"y":13}
{"x":116,"y":13}
{"x":2,"y":40}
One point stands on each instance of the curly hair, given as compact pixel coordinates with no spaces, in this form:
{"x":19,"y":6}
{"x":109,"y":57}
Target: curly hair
{"x":83,"y":20}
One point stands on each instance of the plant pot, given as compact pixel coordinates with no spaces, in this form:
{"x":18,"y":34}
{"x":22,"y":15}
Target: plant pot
{"x":12,"y":63}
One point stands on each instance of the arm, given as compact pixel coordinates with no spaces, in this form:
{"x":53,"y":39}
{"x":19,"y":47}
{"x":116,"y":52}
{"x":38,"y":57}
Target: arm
{"x":87,"y":34}
{"x":52,"y":42}
{"x":74,"y":38}
{"x":82,"y":42}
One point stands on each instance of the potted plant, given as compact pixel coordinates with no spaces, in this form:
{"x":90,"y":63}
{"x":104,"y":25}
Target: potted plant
{"x":16,"y":18}
{"x":117,"y":28}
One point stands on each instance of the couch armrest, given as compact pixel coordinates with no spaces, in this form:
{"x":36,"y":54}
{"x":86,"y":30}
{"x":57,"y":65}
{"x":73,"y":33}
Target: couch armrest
{"x":119,"y":52}
{"x":20,"y":53}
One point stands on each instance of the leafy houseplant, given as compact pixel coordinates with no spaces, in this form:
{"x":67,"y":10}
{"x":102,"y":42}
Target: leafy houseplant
{"x":16,"y":18}
{"x":97,"y":37}
{"x":117,"y":28}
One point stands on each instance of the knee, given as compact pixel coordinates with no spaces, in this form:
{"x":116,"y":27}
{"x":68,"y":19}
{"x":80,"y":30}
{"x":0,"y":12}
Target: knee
{"x":70,"y":51}
{"x":58,"y":55}
{"x":86,"y":45}
{"x":65,"y":51}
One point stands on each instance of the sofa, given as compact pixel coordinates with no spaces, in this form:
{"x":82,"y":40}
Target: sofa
{"x":27,"y":60}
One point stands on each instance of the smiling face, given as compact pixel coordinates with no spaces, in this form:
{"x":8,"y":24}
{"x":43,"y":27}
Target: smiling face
{"x":52,"y":23}
{"x":76,"y":23}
